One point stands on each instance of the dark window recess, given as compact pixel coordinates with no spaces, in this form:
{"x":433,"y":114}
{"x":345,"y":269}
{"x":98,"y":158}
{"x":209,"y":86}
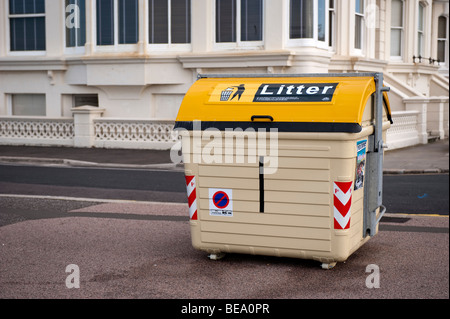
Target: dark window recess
{"x":85,"y":99}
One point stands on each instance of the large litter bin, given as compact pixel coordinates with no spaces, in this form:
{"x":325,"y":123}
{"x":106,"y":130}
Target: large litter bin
{"x":284,"y":165}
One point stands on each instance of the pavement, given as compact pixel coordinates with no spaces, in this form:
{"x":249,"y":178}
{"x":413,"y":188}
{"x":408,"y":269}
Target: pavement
{"x":420,"y":159}
{"x":424,"y":158}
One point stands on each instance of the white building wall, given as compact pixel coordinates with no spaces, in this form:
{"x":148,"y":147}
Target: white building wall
{"x":145,"y":82}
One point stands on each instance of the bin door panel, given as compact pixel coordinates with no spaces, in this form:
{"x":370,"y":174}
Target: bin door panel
{"x":266,"y":241}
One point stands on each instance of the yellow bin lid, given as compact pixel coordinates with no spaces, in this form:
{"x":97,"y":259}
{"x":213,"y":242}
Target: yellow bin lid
{"x":328,"y":103}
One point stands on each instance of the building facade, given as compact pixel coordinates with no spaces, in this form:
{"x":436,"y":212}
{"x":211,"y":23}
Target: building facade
{"x":113,"y":73}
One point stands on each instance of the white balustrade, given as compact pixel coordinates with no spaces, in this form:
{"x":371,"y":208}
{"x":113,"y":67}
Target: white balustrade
{"x":404,"y":131}
{"x":134,"y":133}
{"x":151,"y":134}
{"x":36,"y":131}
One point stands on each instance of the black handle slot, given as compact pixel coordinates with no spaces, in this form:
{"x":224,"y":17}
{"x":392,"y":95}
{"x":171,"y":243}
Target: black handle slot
{"x":262,"y":117}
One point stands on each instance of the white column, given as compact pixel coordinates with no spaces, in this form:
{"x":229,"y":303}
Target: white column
{"x":90,"y":27}
{"x":419,"y":104}
{"x":276,"y":24}
{"x":54,"y":26}
{"x":143,"y":27}
{"x":410,"y":30}
{"x":436,"y":116}
{"x":344,"y":10}
{"x":203,"y":17}
{"x":83,"y":117}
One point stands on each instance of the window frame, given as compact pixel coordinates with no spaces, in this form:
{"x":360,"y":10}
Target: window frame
{"x":11,"y":107}
{"x":10,"y":16}
{"x":116,"y":46}
{"x":402,"y":35}
{"x":421,"y":34}
{"x":77,"y":49}
{"x":331,"y":27}
{"x":238,"y":44}
{"x":359,"y":51}
{"x":182,"y":47}
{"x":86,"y":96}
{"x":444,"y":40}
{"x":314,"y":41}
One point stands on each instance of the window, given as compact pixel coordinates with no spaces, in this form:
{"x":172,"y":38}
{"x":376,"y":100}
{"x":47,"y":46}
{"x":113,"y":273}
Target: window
{"x":301,"y":19}
{"x":75,"y":23}
{"x":442,"y":44}
{"x":117,"y":22}
{"x":84,"y":99}
{"x":28,"y":104}
{"x":239,"y":21}
{"x":359,"y":24}
{"x":225,"y":20}
{"x":313,"y":20}
{"x":420,"y":30}
{"x":396,"y":28}
{"x":321,"y":29}
{"x":251,"y":20}
{"x":331,"y":23}
{"x":169,"y":21}
{"x":27,"y":25}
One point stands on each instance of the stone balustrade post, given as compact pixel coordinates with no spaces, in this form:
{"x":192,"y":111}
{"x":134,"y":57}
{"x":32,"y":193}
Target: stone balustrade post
{"x":83,"y":117}
{"x":419,"y":104}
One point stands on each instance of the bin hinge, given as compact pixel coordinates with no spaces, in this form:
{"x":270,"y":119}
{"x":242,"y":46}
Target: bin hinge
{"x":373,"y":183}
{"x":373,"y":186}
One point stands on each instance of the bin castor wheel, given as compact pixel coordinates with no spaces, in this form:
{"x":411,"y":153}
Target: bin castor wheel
{"x":328,"y":265}
{"x":216,"y":256}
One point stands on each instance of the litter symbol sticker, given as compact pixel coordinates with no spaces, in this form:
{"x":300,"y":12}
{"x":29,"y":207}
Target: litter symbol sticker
{"x":220,"y":202}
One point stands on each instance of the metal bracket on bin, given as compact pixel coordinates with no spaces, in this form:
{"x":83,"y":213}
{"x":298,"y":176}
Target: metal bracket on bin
{"x":373,"y":189}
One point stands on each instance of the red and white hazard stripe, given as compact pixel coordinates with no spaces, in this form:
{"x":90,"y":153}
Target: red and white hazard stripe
{"x":342,"y":204}
{"x":192,"y":197}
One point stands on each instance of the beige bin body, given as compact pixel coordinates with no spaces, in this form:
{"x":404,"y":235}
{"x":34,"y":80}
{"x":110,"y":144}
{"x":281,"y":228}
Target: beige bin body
{"x":305,"y":201}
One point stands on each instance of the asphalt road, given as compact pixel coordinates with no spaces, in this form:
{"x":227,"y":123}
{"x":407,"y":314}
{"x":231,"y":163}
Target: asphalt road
{"x":129,"y":184}
{"x":416,"y":194}
{"x":132,"y":250}
{"x":410,"y":194}
{"x":127,"y":249}
{"x":152,"y":180}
